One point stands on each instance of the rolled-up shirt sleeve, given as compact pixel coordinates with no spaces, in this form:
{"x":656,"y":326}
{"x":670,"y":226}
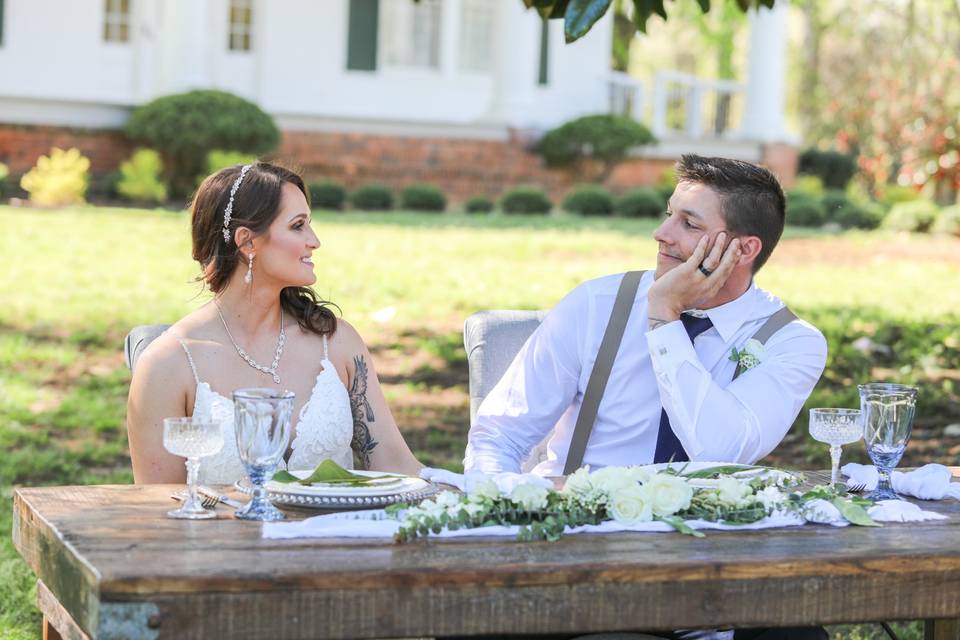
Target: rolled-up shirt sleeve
{"x":540,"y":384}
{"x":746,"y":419}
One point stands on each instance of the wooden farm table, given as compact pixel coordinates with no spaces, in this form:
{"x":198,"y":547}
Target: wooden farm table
{"x":110,"y":565}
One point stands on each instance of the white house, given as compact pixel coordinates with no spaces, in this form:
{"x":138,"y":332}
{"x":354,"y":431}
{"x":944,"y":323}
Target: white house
{"x":392,"y":71}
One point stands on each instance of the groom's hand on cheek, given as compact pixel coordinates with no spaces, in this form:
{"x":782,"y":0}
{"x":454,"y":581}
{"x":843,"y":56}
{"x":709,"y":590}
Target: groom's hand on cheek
{"x":690,"y":284}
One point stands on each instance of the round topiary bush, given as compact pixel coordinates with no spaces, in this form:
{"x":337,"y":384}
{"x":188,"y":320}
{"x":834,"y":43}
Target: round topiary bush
{"x":327,"y":194}
{"x":834,"y":169}
{"x":589,"y":200}
{"x":423,"y":197}
{"x":641,"y":203}
{"x":478,"y":204}
{"x":918,"y":215}
{"x":526,"y":200}
{"x":948,"y":221}
{"x":184,"y":127}
{"x":605,"y":137}
{"x":372,"y":197}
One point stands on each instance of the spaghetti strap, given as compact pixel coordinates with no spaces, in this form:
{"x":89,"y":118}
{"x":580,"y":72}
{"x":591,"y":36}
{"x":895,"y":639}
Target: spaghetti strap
{"x":325,"y":347}
{"x":193,"y":367}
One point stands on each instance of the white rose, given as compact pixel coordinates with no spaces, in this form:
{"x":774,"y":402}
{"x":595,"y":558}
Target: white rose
{"x":631,"y":504}
{"x":669,"y":494}
{"x":481,"y":486}
{"x":771,"y":497}
{"x":431,"y":509}
{"x":732,"y":491}
{"x":609,"y":479}
{"x":531,"y":497}
{"x":448,"y":499}
{"x":579,"y":482}
{"x":756,"y":349}
{"x":640,"y":474}
{"x":473,"y":509}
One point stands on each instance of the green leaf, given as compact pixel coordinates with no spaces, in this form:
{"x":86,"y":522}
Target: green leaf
{"x":580,"y":16}
{"x":329,"y":472}
{"x":704,"y":5}
{"x":854,"y":513}
{"x":284,"y":476}
{"x":681,"y":526}
{"x":734,"y":355}
{"x":716,"y":472}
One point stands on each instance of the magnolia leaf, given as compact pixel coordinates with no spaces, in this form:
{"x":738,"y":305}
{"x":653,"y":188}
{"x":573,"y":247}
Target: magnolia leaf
{"x":284,"y":476}
{"x":680,"y":525}
{"x":704,"y":5}
{"x":854,"y":513}
{"x":329,"y":472}
{"x":723,"y":470}
{"x":580,"y":16}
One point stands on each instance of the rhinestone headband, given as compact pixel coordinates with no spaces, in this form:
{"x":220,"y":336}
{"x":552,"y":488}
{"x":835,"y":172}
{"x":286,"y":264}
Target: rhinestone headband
{"x":228,"y":212}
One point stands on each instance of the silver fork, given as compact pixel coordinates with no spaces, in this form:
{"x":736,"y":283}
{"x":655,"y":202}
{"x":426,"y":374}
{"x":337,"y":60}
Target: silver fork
{"x":856,"y":487}
{"x":207,"y":501}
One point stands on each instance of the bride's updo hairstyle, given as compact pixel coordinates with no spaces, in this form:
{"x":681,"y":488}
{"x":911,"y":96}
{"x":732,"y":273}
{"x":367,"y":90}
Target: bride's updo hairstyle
{"x":255,"y":206}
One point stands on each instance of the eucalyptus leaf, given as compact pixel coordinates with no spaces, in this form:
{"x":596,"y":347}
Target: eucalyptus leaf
{"x":681,"y":526}
{"x":854,"y":513}
{"x":722,"y":470}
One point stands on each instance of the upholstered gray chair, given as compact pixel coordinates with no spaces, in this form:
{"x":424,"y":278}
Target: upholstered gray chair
{"x":492,"y":339}
{"x":138,"y":339}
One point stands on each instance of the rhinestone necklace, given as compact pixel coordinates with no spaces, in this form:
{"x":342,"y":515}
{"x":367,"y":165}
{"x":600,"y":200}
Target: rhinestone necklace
{"x":272,"y":369}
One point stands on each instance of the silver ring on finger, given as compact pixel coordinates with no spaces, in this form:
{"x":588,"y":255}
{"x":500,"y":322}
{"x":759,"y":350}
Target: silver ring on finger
{"x":704,"y":270}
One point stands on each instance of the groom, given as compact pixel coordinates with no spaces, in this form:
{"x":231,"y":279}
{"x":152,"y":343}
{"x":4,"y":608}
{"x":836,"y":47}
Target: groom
{"x":708,"y":366}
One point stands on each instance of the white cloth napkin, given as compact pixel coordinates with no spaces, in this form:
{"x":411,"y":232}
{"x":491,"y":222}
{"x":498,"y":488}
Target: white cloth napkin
{"x":929,"y":482}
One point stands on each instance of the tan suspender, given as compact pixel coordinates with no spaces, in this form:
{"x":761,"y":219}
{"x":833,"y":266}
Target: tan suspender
{"x":607,"y":353}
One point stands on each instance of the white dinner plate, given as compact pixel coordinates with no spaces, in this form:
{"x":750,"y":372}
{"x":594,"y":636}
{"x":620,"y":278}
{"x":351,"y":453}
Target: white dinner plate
{"x":386,"y":484}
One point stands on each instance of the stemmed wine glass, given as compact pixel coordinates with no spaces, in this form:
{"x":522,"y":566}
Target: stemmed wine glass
{"x":192,"y":439}
{"x":835,"y":427}
{"x":262,"y":425}
{"x":887,"y":421}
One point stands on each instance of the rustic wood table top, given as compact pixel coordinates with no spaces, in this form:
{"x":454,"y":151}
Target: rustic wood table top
{"x":111,"y":565}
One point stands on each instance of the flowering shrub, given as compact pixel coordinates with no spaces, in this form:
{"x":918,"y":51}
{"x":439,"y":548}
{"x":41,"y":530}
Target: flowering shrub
{"x":140,"y":177}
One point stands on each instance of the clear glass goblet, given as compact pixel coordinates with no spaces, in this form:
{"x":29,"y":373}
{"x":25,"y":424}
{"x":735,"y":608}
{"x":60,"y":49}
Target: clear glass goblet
{"x":887,"y":421}
{"x":262,"y":419}
{"x":192,"y":439}
{"x":835,"y":427}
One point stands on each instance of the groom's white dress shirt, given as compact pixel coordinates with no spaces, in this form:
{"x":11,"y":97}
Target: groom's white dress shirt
{"x":715,"y":418}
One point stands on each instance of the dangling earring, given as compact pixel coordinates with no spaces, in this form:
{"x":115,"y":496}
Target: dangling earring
{"x":248,"y":278}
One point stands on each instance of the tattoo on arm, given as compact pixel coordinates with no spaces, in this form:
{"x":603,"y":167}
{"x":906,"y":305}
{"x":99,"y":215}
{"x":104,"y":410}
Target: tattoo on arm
{"x":362,"y":443}
{"x":656,"y":323}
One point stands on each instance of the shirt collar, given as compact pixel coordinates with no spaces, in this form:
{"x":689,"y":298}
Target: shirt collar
{"x":728,"y":318}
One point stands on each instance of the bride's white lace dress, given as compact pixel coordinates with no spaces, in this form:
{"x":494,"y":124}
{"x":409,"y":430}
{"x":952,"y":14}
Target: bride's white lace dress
{"x":324,"y":426}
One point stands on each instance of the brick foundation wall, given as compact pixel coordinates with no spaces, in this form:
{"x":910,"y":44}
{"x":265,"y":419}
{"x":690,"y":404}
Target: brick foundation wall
{"x":461,"y":167}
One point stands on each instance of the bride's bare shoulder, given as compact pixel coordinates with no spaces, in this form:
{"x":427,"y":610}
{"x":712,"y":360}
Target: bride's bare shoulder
{"x":165,"y":357}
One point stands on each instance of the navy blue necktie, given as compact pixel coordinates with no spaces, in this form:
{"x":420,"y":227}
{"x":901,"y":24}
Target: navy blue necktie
{"x":668,"y":445}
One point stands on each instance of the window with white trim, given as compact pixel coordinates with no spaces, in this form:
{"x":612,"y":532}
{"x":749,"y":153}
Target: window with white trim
{"x":410,"y":33}
{"x":476,"y":35}
{"x":116,"y":21}
{"x":241,"y":23}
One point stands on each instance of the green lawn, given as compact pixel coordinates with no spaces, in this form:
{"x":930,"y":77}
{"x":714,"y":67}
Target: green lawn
{"x":75,"y":281}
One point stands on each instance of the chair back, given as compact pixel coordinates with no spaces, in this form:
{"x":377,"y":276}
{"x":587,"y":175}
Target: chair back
{"x":138,"y":339}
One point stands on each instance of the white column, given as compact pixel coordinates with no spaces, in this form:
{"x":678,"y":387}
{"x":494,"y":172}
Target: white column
{"x":450,"y":11}
{"x":516,"y":54}
{"x":766,"y":85}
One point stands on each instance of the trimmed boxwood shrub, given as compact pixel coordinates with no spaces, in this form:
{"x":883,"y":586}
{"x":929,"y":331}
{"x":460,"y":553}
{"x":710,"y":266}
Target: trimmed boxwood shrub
{"x":665,"y":191}
{"x":327,"y":194}
{"x":834,"y":169}
{"x":857,"y":215}
{"x":641,"y":203}
{"x":589,"y":200}
{"x":423,"y":197}
{"x":603,"y":137}
{"x":372,"y":197}
{"x":804,"y":210}
{"x":478,"y":204}
{"x":948,"y":221}
{"x":526,"y":200}
{"x":918,"y":215}
{"x":184,"y":127}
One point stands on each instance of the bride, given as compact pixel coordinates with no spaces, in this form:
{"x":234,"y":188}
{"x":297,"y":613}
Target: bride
{"x":264,"y":328}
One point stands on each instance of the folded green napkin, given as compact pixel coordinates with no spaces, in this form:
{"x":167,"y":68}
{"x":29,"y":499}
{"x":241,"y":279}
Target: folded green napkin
{"x":329,"y":472}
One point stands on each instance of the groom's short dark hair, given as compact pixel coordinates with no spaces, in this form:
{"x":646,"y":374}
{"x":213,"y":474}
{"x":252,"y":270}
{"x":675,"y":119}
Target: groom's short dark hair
{"x":751,"y":198}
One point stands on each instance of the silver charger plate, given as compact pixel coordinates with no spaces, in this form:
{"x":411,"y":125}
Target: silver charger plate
{"x":304,"y":501}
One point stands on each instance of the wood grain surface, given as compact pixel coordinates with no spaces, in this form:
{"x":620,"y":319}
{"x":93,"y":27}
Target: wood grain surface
{"x":119,"y":568}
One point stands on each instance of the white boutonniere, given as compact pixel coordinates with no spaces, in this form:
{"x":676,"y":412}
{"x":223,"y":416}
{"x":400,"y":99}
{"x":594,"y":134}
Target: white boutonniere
{"x":752,"y":354}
